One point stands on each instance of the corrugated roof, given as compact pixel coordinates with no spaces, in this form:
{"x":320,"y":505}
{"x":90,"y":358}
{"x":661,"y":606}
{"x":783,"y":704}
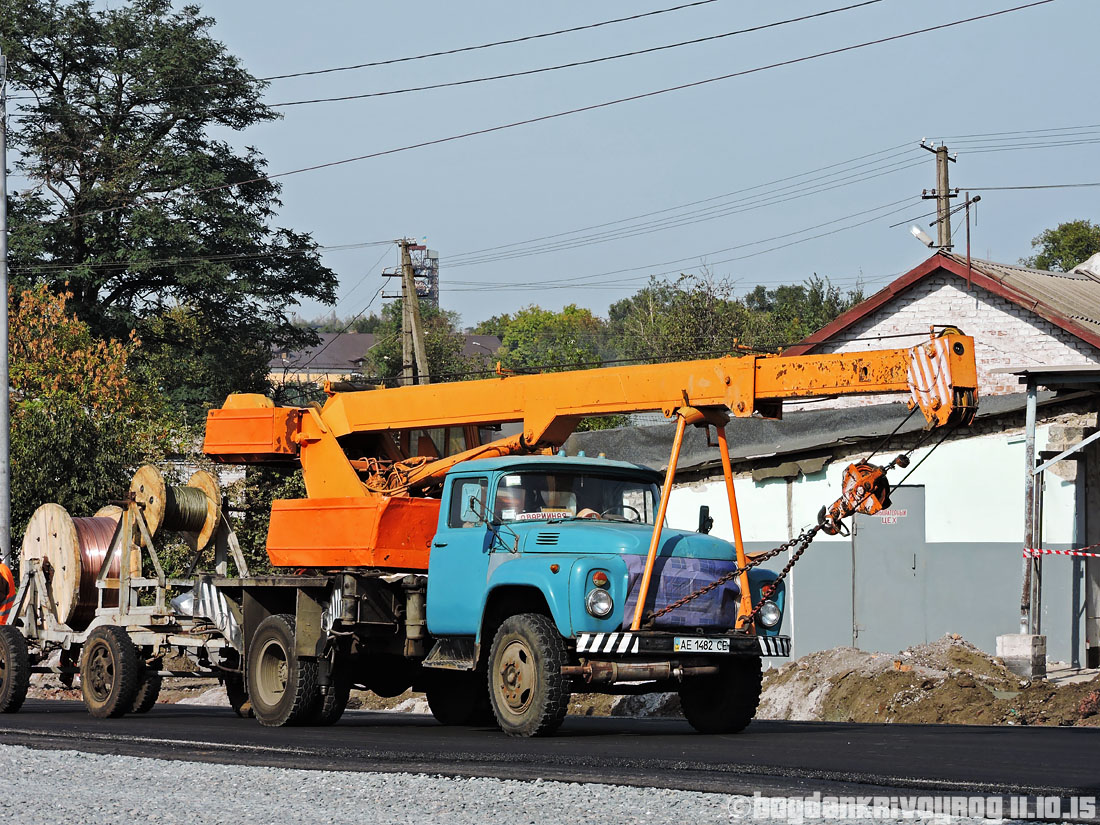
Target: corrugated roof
{"x":1069,"y":300}
{"x":1073,"y":295}
{"x":336,"y":352}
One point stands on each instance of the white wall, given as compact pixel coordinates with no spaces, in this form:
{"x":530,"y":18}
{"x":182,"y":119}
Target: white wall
{"x":1006,"y":335}
{"x":971,"y":559}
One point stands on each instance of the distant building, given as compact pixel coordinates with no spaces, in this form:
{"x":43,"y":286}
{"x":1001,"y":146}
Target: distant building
{"x":339,"y":356}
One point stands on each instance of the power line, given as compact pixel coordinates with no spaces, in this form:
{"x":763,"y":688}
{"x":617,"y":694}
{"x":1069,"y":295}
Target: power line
{"x":138,"y":263}
{"x":366,"y":275}
{"x":446,"y":52}
{"x":348,"y":326}
{"x":955,"y":138}
{"x":1033,"y":186}
{"x":730,"y":248}
{"x":573,"y":64}
{"x":686,"y":205}
{"x":603,"y":284}
{"x":524,"y":39}
{"x":595,"y":106}
{"x":684,"y":220}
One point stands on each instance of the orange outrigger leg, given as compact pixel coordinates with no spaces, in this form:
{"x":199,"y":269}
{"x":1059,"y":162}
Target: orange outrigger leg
{"x":705,"y":417}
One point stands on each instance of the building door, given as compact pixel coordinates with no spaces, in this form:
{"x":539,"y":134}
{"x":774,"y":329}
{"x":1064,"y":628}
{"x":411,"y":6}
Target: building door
{"x":888,"y":575}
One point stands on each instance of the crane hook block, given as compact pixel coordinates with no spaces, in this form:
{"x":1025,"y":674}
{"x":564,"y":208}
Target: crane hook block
{"x":864,"y":489}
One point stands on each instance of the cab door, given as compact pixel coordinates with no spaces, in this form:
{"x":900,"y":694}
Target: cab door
{"x":458,"y":566}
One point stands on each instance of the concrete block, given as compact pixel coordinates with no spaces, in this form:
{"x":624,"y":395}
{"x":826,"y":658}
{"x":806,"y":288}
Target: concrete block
{"x":1024,"y":655}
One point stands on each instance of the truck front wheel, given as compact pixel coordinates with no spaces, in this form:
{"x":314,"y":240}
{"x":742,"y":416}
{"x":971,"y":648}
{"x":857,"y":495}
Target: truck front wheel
{"x":282,"y":687}
{"x":726,"y":702}
{"x":529,"y":694}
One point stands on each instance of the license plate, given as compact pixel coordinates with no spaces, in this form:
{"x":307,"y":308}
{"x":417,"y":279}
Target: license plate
{"x":697,"y":644}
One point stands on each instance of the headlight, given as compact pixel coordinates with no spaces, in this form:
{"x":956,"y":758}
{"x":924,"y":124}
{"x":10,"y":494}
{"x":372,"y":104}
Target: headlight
{"x":598,"y":602}
{"x":770,"y":614}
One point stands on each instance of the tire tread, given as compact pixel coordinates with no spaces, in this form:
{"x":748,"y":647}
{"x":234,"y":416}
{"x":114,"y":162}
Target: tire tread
{"x":13,"y":647}
{"x":555,"y":655}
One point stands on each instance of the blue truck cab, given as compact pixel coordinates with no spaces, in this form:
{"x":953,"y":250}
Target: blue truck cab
{"x":536,"y":567}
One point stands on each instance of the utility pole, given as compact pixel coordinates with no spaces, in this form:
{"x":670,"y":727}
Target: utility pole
{"x":412,"y":330}
{"x":942,"y":195}
{"x":5,"y":435}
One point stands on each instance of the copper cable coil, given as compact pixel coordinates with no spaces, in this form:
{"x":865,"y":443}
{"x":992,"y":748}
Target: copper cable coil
{"x":94,"y":537}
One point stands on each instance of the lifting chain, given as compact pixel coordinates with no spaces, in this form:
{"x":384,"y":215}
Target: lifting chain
{"x":801,"y":542}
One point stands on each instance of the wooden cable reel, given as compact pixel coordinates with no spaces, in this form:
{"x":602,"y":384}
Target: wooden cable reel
{"x":72,"y":551}
{"x":193,"y":510}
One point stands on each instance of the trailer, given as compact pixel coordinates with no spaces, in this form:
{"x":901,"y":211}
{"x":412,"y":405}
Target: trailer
{"x":494,"y":575}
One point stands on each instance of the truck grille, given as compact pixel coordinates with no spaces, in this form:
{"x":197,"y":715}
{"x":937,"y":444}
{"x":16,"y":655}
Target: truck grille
{"x":546,"y":538}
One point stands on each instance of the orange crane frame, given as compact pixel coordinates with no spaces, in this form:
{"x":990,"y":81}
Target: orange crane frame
{"x":345,"y":522}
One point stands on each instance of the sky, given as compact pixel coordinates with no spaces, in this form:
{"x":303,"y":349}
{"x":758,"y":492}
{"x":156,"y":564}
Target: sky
{"x":824,"y":147}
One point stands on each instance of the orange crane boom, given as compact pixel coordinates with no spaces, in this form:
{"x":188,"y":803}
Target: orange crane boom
{"x":940,"y":375}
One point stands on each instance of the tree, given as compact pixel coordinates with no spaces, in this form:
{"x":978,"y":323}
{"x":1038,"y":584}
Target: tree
{"x":787,"y":314}
{"x":134,"y":208}
{"x":541,"y":339}
{"x":81,"y":418}
{"x":693,"y":315}
{"x":1065,"y":246}
{"x":443,"y":343}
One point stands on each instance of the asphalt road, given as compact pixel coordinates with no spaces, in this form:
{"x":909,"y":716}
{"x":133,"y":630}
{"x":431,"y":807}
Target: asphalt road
{"x":770,"y":757}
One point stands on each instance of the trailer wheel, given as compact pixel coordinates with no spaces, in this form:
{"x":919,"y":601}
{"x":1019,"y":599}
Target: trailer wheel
{"x":109,"y":672}
{"x":724,"y":703}
{"x":147,"y":692}
{"x":331,"y":706}
{"x":529,"y":694}
{"x":282,"y":687}
{"x":238,"y":695}
{"x":460,"y":698}
{"x":15,"y":669}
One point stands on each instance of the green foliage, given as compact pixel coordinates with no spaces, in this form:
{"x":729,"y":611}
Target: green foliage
{"x":536,"y":338}
{"x":443,"y":344}
{"x":494,"y":326}
{"x":787,"y":314}
{"x":677,"y":320}
{"x":125,"y":207}
{"x":260,"y":487}
{"x":1065,"y":246}
{"x":81,"y":420}
{"x":697,"y":315}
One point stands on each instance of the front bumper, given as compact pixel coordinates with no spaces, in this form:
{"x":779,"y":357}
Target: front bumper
{"x":649,"y":642}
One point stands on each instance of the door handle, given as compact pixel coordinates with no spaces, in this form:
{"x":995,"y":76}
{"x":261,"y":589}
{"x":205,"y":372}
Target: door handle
{"x":439,"y":544}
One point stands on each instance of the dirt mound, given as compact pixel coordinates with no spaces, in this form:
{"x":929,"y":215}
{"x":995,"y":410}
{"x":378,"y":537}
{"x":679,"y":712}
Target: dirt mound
{"x":946,"y":681}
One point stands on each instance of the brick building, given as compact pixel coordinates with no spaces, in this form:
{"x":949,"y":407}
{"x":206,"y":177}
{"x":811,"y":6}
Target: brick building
{"x":948,"y":557}
{"x":1018,"y":317}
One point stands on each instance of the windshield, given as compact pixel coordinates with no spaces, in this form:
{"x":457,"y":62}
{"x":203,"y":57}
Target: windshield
{"x":539,"y":496}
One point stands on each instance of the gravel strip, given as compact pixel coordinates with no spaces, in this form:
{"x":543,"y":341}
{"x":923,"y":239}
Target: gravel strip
{"x":51,"y":786}
{"x":54,"y":786}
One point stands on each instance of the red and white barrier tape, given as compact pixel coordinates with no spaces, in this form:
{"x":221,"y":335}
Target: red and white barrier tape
{"x":1035,"y":552}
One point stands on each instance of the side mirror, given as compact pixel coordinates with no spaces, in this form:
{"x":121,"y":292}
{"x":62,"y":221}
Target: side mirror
{"x":706,"y":523}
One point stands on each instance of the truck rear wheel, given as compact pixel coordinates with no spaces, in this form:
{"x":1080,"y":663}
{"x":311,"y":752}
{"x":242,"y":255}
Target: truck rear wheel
{"x":460,"y":698}
{"x":15,"y":669}
{"x":282,"y":687}
{"x":726,"y":702}
{"x":109,"y":672}
{"x":529,"y":694}
{"x":331,"y":706}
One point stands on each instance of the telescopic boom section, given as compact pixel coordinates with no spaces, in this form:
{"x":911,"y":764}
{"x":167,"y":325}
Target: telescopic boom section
{"x":939,"y":375}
